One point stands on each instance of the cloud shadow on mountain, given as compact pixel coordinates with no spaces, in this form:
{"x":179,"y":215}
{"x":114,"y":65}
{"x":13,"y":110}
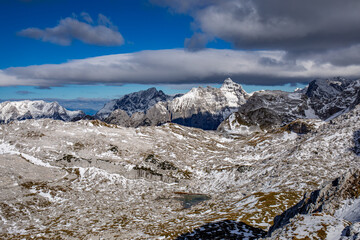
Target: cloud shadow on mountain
{"x":203,"y":120}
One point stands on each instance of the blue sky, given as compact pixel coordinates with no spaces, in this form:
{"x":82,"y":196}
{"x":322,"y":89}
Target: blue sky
{"x":72,"y":49}
{"x":138,"y":21}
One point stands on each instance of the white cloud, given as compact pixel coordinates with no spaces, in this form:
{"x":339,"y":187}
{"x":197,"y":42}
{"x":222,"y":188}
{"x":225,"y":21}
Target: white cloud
{"x":70,"y":28}
{"x":177,"y":66}
{"x":86,"y":17}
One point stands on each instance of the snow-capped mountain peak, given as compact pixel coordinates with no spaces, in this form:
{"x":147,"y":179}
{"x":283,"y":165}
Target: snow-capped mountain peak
{"x":230,"y":95}
{"x":134,"y":102}
{"x":27,"y":109}
{"x":234,"y":93}
{"x":201,"y":107}
{"x":230,"y":84}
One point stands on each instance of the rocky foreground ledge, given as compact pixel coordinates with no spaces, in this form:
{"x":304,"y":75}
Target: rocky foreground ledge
{"x":332,"y":212}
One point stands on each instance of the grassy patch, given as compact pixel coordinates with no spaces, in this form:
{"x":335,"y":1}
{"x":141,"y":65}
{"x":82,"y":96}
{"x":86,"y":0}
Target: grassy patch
{"x":78,"y":146}
{"x":99,"y":123}
{"x":33,"y":134}
{"x":263,"y":207}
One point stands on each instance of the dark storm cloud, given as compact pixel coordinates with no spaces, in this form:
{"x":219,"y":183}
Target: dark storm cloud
{"x":70,"y":28}
{"x":197,"y":42}
{"x":296,"y":26}
{"x":339,"y":57}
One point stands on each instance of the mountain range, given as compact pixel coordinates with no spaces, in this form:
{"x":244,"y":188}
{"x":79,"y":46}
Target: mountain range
{"x":134,"y":102}
{"x":233,"y":110}
{"x":170,"y":181}
{"x":322,"y":99}
{"x":227,"y":109}
{"x":290,"y":171}
{"x":203,"y":108}
{"x":21,"y":110}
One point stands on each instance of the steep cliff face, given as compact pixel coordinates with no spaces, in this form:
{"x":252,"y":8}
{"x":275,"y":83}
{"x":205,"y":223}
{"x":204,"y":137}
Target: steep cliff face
{"x":266,"y":109}
{"x":207,"y":107}
{"x":134,"y":102}
{"x":331,"y":96}
{"x":155,"y":116}
{"x":21,"y":110}
{"x":119,"y":117}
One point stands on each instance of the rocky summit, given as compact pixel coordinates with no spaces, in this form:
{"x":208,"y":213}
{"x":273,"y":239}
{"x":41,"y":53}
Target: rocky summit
{"x":134,"y":102}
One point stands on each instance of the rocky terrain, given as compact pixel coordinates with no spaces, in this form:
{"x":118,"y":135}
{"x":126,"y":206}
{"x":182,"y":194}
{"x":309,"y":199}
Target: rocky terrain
{"x":231,"y":109}
{"x":331,"y":212}
{"x":93,"y":180}
{"x":227,"y":109}
{"x":134,"y":102}
{"x":21,"y":110}
{"x":203,"y":108}
{"x":88,"y":179}
{"x":332,"y":97}
{"x":322,"y":99}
